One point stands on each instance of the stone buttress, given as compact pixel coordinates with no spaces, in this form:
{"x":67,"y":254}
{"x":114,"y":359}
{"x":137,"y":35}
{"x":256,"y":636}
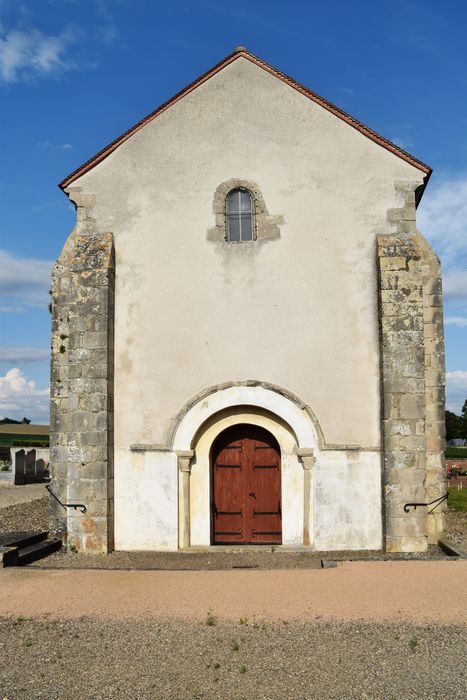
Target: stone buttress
{"x":412,"y":357}
{"x":81,"y":447}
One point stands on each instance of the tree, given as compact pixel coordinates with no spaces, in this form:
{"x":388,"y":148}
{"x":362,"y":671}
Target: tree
{"x":454,"y":426}
{"x":464,"y":419}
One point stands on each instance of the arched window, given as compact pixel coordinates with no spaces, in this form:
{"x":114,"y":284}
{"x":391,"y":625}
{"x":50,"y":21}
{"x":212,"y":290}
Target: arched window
{"x":240,"y":215}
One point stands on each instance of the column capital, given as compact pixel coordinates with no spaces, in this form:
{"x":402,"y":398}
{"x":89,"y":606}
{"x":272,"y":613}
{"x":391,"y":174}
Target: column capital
{"x":184,"y":459}
{"x":306,"y":455}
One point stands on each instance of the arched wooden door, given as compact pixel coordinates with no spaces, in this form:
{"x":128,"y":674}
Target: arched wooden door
{"x":246,"y":487}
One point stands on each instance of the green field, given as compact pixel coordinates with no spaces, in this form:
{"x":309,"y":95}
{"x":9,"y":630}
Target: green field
{"x":457,"y":499}
{"x":17,"y":440}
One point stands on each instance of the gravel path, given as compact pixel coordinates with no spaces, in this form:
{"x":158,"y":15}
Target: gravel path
{"x":167,"y":659}
{"x":416,"y":591}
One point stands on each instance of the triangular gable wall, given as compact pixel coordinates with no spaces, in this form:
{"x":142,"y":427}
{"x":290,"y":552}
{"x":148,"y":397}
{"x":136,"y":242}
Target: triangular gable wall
{"x":244,"y":53}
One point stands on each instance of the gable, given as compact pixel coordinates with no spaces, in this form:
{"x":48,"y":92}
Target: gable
{"x":241,"y":52}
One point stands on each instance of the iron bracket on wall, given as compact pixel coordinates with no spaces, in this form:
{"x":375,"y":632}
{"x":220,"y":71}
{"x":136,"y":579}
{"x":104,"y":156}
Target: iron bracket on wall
{"x":425,"y":505}
{"x":76,"y":506}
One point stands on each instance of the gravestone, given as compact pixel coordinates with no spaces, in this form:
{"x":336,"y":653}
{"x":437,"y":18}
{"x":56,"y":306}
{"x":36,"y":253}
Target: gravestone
{"x":20,"y":466}
{"x":40,"y":470}
{"x":30,"y":467}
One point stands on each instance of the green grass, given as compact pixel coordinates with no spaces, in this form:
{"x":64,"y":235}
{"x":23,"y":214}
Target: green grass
{"x":457,"y":499}
{"x":456,"y":452}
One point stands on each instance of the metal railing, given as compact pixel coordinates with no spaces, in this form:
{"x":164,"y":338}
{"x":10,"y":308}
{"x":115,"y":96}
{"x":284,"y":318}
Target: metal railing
{"x":438,"y":501}
{"x":76,"y":506}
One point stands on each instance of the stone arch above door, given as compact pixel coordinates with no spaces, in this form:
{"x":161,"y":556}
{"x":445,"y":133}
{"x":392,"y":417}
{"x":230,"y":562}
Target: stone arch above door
{"x":296,"y":481}
{"x":288,"y":407}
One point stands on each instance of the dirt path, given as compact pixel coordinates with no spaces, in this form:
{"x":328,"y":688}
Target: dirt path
{"x":375,"y":591}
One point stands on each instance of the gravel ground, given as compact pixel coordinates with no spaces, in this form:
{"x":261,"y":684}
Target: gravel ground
{"x":164,"y":659}
{"x":11,"y":495}
{"x":212,"y":560}
{"x":456,"y":526}
{"x":25,"y":516}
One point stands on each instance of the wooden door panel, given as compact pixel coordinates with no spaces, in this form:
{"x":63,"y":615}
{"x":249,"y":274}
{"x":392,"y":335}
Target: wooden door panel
{"x":228,"y":483}
{"x":265,"y":481}
{"x":246,"y":487}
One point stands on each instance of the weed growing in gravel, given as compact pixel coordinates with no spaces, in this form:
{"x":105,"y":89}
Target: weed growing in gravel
{"x":243,"y":669}
{"x":413,"y":643}
{"x":243,"y":621}
{"x":211,"y":619}
{"x":216,"y":665}
{"x":22,"y":619}
{"x":235,"y":646}
{"x":27,"y":643}
{"x":73,"y":549}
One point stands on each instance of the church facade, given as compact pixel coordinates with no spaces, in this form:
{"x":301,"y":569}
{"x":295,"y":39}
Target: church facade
{"x":247,"y":340}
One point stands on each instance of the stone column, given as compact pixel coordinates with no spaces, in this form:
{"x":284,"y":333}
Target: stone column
{"x":307,"y":458}
{"x":184,"y":473}
{"x":81,"y":440}
{"x":403,"y":389}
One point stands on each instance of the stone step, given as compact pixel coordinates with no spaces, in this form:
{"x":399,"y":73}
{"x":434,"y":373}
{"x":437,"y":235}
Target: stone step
{"x":38,"y":550}
{"x":22,"y":539}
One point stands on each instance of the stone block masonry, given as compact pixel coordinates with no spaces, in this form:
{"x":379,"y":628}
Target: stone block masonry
{"x":403,"y":384}
{"x":435,"y":380}
{"x":81,"y":440}
{"x":412,"y":362}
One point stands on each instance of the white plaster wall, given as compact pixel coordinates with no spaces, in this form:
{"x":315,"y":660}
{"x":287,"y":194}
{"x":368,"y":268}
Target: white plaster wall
{"x":347,"y":500}
{"x":146,"y":508}
{"x":301,"y":311}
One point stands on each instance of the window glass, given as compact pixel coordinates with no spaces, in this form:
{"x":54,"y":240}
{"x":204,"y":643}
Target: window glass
{"x":239,"y":216}
{"x":234,"y":227}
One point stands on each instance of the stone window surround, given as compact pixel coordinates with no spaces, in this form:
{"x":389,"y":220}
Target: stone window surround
{"x":266,"y":226}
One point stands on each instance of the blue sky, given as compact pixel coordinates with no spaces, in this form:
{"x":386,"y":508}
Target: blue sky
{"x":74,"y":74}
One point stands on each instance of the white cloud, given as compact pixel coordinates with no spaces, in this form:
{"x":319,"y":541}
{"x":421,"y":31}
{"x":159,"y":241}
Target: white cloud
{"x":455,"y":284}
{"x":23,"y":354}
{"x":459,"y":321}
{"x":442,"y":218}
{"x":46,"y":145}
{"x":26,"y":54}
{"x":107,"y":32}
{"x":24,"y":282}
{"x":456,"y":389}
{"x":20,"y":397}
